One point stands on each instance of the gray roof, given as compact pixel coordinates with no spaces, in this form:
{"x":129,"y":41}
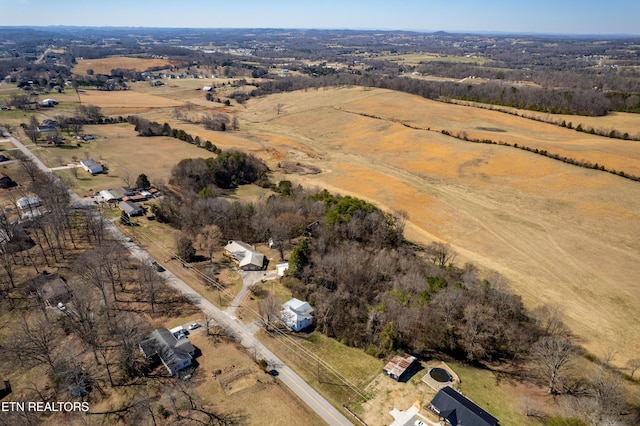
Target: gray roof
{"x":456,"y":409}
{"x":130,"y":208}
{"x":172,"y":352}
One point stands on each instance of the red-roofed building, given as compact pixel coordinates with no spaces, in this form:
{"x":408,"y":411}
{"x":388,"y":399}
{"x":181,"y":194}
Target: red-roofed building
{"x":398,"y":366}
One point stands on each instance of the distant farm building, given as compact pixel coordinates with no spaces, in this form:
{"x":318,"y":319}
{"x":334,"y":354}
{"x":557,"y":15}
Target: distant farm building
{"x":130,"y":209}
{"x":175,"y":354}
{"x":110,"y":195}
{"x":399,"y":366}
{"x":91,"y":166}
{"x":296,"y":314}
{"x":247,"y":257}
{"x":456,"y":409}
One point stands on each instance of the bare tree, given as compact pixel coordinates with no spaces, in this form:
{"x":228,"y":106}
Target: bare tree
{"x":127,"y":178}
{"x":441,"y":254}
{"x":32,"y":342}
{"x":278,"y":108}
{"x":633,"y":365}
{"x":31,"y":129}
{"x":269,"y":311}
{"x":555,"y":356}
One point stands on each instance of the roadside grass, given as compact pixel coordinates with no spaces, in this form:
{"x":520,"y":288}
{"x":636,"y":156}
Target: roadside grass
{"x":352,"y":364}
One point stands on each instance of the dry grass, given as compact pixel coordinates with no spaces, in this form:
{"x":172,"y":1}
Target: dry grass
{"x":544,"y":225}
{"x":105,"y":65}
{"x":243,"y":388}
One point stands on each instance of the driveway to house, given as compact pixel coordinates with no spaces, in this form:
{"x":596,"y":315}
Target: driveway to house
{"x":249,"y":278}
{"x":244,"y":336}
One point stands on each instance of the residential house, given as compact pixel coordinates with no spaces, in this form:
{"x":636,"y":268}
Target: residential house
{"x":28,"y":203}
{"x":175,"y":354}
{"x":456,"y":409}
{"x":51,"y":289}
{"x":247,"y":257}
{"x":5,"y":387}
{"x":399,"y":366}
{"x":296,"y":314}
{"x":6,"y":181}
{"x":92,"y":166}
{"x":131,"y":209}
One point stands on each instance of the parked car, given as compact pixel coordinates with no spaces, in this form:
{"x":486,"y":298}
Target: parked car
{"x":419,"y":423}
{"x":62,"y":306}
{"x":194,"y":326}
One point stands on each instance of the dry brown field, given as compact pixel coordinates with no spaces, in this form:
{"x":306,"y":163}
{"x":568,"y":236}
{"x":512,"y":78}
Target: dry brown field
{"x":105,"y":65}
{"x":560,"y":234}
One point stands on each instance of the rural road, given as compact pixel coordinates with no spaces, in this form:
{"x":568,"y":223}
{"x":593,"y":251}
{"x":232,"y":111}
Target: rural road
{"x":305,"y":392}
{"x":227,"y":320}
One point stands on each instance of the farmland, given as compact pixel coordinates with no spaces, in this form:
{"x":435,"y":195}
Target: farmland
{"x":542,"y":224}
{"x":544,"y":205}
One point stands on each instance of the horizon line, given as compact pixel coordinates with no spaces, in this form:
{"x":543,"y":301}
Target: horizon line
{"x":425,"y":31}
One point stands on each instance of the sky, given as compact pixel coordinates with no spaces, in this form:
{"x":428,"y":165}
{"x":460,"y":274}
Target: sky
{"x":511,"y":16}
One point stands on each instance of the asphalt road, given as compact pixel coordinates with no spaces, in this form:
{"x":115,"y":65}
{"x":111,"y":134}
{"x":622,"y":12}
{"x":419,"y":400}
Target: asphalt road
{"x":288,"y":377}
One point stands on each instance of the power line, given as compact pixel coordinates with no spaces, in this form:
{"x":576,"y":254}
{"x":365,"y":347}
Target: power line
{"x":291,"y":343}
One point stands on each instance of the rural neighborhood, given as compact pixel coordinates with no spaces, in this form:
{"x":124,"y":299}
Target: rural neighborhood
{"x":232,"y":226}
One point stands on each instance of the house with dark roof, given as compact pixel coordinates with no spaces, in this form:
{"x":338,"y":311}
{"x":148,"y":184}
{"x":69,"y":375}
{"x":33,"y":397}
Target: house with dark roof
{"x":247,"y":257}
{"x":175,"y":354}
{"x":399,"y":366}
{"x":456,"y":409}
{"x":51,"y":289}
{"x":5,"y":387}
{"x":6,"y":181}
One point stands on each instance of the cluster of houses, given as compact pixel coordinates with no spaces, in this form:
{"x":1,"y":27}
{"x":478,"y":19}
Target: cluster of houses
{"x":449,"y":404}
{"x":127,"y":199}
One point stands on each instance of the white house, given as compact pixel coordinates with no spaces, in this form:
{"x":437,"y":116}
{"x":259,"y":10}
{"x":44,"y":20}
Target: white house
{"x":28,"y":203}
{"x":91,"y":166}
{"x":248,"y":259}
{"x":296,"y":314}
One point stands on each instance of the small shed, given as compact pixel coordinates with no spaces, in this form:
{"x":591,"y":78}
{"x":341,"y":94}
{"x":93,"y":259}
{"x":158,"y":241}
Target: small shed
{"x":399,"y":366}
{"x":281,"y":268}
